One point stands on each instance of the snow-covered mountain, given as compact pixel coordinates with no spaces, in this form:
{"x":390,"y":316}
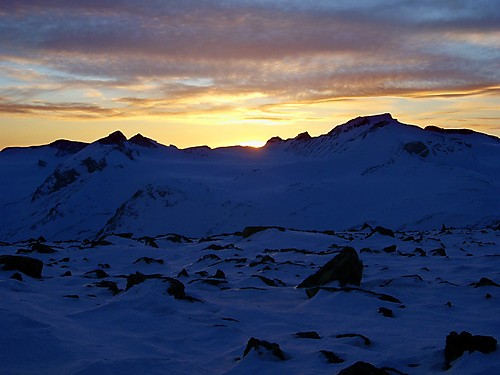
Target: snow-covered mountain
{"x":371,"y":169}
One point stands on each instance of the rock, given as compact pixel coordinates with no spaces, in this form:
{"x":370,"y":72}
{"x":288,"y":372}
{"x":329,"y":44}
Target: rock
{"x":42,"y":248}
{"x":96,"y":274}
{"x":93,"y":166}
{"x":386,"y":312}
{"x":29,"y":266}
{"x":248,"y":231}
{"x":390,"y":249}
{"x":419,"y":251}
{"x":219,"y":274}
{"x":17,"y":276}
{"x":149,"y":260}
{"x":363,"y":368}
{"x":262,"y":347}
{"x":365,"y":339}
{"x":149,"y":241}
{"x":110,"y":285}
{"x":183,"y":273}
{"x":345,"y":267}
{"x":66,"y":274}
{"x":382,"y":231}
{"x":457,"y":344}
{"x":331,"y":357}
{"x":438,"y":252}
{"x":308,"y":335}
{"x":176,"y":289}
{"x":485,"y":282}
{"x":263,"y":260}
{"x":135,"y":279}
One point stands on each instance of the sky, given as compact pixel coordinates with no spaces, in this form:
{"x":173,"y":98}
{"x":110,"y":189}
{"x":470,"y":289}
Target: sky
{"x":220,"y":73}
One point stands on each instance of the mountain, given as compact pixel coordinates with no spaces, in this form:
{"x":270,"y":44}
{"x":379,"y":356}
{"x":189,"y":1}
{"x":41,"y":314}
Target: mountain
{"x":371,"y":169}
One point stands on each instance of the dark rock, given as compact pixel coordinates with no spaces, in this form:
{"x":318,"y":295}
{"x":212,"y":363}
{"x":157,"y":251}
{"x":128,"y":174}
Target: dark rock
{"x":17,"y":276}
{"x":177,"y":238}
{"x":438,"y":252}
{"x":418,"y":148}
{"x":55,"y":182}
{"x":485,"y":282}
{"x":390,"y":249}
{"x":208,"y":257}
{"x":308,"y":335}
{"x":363,"y":368}
{"x":331,"y":357}
{"x":73,"y":296}
{"x":266,"y":280}
{"x":110,"y":285}
{"x":66,"y":274}
{"x":219,"y":274}
{"x":365,"y":339}
{"x":42,"y":163}
{"x":345,"y":267}
{"x":148,"y":260}
{"x":176,"y":289}
{"x":262,"y":346}
{"x":263,"y":260}
{"x":135,"y":279}
{"x":386,"y":312}
{"x":457,"y":344}
{"x":383,"y":231}
{"x":96,"y":274}
{"x":93,"y":166}
{"x":29,"y":266}
{"x":420,"y":252}
{"x":124,"y":235}
{"x":248,"y":231}
{"x":42,"y":248}
{"x":183,"y":273}
{"x":149,"y":241}
{"x":219,"y":247}
{"x":104,"y":265}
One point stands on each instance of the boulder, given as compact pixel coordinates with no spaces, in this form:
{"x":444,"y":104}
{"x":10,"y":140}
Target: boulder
{"x":363,"y":368}
{"x":29,"y":266}
{"x":263,"y":347}
{"x":345,"y":267}
{"x":457,"y":344}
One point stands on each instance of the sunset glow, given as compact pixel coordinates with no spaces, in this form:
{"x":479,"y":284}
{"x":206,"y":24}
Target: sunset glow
{"x":223,"y":73}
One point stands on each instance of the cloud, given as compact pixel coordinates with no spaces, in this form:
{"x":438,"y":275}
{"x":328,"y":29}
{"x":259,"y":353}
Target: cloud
{"x":141,"y":56}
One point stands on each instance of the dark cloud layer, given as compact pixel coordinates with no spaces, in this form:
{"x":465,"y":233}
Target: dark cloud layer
{"x":163,"y":52}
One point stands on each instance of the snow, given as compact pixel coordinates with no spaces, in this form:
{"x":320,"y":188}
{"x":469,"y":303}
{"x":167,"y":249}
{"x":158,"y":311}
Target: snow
{"x":310,"y":195}
{"x":145,"y":330}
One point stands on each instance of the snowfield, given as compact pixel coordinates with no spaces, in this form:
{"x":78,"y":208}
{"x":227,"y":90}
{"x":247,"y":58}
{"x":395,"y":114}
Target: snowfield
{"x":130,"y":257}
{"x":70,"y":322}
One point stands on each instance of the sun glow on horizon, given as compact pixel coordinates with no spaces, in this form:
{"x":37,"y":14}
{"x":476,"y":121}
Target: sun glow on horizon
{"x":253,"y":143}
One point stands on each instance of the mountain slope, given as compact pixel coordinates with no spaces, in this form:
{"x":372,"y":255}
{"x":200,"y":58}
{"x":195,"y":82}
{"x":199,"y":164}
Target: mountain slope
{"x":371,"y":169}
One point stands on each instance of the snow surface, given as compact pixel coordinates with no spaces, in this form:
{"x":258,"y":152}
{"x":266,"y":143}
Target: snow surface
{"x":68,"y":325}
{"x":96,"y":204}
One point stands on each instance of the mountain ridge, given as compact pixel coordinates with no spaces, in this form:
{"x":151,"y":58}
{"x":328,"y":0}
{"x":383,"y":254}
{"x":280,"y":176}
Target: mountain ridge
{"x":370,"y":169}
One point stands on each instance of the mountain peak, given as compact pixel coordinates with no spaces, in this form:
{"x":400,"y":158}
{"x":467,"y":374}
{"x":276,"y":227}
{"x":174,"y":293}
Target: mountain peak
{"x":115,"y":138}
{"x":141,"y":140}
{"x":372,"y":121}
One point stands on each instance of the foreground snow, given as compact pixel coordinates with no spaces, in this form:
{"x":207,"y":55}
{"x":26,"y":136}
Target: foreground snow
{"x":68,"y":325}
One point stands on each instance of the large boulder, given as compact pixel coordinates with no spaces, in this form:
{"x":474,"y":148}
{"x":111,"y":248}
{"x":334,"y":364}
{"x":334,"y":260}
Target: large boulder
{"x":457,"y":344}
{"x":29,"y":266}
{"x":345,"y":267}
